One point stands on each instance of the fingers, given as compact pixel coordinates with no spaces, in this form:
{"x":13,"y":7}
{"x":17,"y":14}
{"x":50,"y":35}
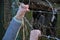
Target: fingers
{"x":24,"y":7}
{"x":28,"y":10}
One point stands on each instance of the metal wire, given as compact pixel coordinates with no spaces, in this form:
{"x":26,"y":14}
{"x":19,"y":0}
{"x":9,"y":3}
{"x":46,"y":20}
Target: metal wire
{"x":41,"y":12}
{"x":28,"y":22}
{"x":41,"y":35}
{"x":48,"y":37}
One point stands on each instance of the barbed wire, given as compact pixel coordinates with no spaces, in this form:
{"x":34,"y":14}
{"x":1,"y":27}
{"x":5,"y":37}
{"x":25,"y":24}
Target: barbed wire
{"x":45,"y":12}
{"x":44,"y":26}
{"x":41,"y":35}
{"x":40,"y":24}
{"x":50,"y":37}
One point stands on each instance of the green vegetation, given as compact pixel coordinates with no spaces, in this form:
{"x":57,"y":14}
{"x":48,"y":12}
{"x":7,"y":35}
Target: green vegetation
{"x":27,"y":31}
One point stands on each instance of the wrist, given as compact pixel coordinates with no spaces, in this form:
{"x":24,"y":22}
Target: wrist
{"x":18,"y":17}
{"x":17,"y":20}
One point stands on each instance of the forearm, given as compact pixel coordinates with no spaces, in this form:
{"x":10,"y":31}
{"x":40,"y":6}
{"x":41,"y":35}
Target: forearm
{"x":16,"y":23}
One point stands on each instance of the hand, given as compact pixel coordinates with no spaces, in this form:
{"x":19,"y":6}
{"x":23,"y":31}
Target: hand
{"x":21,"y":11}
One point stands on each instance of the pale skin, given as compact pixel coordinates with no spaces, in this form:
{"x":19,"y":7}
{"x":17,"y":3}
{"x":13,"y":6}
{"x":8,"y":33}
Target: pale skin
{"x":22,"y":10}
{"x":34,"y":34}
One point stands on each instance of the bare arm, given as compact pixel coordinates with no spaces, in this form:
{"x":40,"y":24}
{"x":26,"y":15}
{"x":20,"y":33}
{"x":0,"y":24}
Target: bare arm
{"x":15,"y":23}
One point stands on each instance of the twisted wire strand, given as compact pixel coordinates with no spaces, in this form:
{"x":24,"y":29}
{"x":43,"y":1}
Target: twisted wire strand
{"x":44,"y":26}
{"x":41,"y":35}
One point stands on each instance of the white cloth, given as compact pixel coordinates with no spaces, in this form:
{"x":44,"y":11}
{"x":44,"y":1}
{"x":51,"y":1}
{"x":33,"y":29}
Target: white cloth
{"x":35,"y":34}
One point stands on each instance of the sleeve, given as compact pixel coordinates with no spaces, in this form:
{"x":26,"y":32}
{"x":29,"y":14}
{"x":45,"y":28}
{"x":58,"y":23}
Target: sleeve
{"x":12,"y":30}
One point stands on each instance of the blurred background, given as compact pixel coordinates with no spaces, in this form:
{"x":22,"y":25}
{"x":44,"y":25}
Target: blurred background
{"x":8,"y":9}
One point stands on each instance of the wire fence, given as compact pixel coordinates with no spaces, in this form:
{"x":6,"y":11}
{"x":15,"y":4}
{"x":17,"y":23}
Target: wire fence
{"x":30,"y":25}
{"x":48,"y":37}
